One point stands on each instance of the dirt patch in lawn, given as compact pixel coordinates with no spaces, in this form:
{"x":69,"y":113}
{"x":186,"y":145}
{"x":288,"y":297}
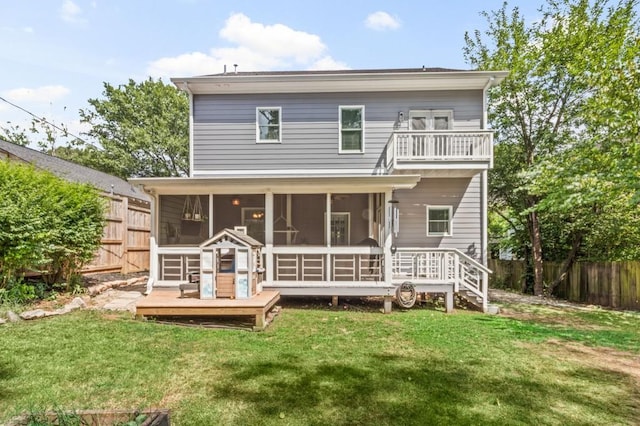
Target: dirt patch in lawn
{"x":601,"y":358}
{"x":550,"y":316}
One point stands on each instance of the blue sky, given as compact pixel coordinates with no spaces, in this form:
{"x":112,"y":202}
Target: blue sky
{"x":55,"y":54}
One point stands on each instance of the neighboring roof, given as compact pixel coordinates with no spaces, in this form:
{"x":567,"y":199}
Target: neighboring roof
{"x":378,"y":80}
{"x":73,"y":172}
{"x":260,"y":184}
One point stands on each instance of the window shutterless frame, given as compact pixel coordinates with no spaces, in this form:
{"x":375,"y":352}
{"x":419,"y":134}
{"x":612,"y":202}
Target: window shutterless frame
{"x":351,"y":129}
{"x":439,"y":221}
{"x":269,"y":124}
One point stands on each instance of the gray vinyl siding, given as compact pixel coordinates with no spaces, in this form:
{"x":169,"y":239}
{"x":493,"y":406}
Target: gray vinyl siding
{"x":463,"y":194}
{"x":224,"y":129}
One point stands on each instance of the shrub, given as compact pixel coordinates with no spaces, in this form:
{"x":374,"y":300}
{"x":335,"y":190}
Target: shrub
{"x":46,"y":223}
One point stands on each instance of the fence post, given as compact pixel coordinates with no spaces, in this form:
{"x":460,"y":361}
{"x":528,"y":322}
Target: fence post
{"x":125,"y":235}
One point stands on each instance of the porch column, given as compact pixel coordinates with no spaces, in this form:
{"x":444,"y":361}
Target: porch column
{"x":153,"y":241}
{"x":268,"y":234}
{"x":388,"y":238}
{"x":327,"y":236}
{"x":370,"y":217}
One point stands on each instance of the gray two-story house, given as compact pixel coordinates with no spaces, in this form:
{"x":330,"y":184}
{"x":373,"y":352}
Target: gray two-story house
{"x":356,"y":182}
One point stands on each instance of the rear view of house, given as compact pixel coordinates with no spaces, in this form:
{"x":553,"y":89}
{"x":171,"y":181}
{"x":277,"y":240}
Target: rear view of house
{"x":355,"y":182}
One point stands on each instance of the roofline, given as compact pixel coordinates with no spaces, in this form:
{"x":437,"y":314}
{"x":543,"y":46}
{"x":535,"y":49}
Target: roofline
{"x":339,"y":81}
{"x":280,"y":184}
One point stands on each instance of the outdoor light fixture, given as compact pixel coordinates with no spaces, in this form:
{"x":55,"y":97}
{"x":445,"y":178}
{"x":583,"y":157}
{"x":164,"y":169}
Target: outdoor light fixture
{"x":400,"y":116}
{"x":235,"y":201}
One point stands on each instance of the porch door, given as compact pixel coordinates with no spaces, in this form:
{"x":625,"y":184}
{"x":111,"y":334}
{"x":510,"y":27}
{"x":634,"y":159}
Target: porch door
{"x":340,"y":224}
{"x":424,"y":145}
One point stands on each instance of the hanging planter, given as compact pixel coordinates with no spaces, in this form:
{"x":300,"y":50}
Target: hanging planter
{"x":192,"y":209}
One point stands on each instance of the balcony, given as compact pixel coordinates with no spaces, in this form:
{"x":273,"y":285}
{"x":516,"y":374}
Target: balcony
{"x":466,"y":149}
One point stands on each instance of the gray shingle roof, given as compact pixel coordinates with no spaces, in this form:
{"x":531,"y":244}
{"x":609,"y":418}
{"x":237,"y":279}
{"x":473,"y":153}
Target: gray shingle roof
{"x":329,"y":72}
{"x":73,"y":172}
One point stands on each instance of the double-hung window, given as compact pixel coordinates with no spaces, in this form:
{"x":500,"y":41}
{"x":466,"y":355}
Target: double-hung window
{"x":439,"y":221}
{"x":269,"y":124}
{"x":351,"y":119}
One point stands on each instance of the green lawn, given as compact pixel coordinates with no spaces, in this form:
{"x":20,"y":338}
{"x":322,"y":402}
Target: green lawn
{"x":540,"y":366}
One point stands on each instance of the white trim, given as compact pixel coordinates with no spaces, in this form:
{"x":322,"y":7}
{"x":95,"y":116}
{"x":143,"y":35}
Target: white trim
{"x":258,"y":140}
{"x":328,"y":82}
{"x":191,"y":136}
{"x":254,"y":172}
{"x":440,"y":207}
{"x":362,"y":130}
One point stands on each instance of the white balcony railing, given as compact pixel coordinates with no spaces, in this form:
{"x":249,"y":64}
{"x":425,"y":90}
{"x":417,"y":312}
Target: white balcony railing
{"x":412,"y":148}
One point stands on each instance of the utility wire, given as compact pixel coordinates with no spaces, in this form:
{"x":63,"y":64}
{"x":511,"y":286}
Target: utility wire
{"x":65,"y":131}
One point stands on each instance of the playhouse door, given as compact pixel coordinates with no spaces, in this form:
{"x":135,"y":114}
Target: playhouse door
{"x":207,"y":274}
{"x":243,"y":288}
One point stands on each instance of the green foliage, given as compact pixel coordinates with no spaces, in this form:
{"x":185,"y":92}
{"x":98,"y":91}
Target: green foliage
{"x":46,"y":223}
{"x":567,"y":126}
{"x":142,"y":128}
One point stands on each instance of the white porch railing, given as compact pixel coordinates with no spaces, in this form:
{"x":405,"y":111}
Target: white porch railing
{"x":438,"y":266}
{"x":413,"y":147}
{"x":301,"y":263}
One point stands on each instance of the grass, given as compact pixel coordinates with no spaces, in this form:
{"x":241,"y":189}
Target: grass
{"x":317,"y":367}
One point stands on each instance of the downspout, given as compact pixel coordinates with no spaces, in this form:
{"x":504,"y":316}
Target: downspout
{"x":185,"y":87}
{"x":484,"y":236}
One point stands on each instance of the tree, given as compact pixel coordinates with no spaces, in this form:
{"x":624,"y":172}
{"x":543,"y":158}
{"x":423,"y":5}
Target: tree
{"x":142,"y":130}
{"x":554,"y":147}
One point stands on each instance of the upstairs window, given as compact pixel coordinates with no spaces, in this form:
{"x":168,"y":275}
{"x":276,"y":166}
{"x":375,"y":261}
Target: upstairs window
{"x":351,"y":129}
{"x":439,"y":221}
{"x":268,"y":124}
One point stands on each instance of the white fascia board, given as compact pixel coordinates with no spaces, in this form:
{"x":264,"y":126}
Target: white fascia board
{"x":278,"y":184}
{"x":352,"y":82}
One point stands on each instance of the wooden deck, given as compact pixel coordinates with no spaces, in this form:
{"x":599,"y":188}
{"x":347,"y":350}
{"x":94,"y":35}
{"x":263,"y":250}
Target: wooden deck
{"x":167,"y":302}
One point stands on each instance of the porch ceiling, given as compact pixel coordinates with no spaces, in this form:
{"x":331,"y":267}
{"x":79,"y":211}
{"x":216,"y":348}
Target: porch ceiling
{"x":284,"y":185}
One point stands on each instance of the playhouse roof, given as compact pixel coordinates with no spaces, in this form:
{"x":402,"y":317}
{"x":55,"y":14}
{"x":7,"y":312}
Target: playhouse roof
{"x":235,"y":236}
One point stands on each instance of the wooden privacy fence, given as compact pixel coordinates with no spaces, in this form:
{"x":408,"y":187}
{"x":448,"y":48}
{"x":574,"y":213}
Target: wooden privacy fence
{"x":125,"y":242}
{"x":614,"y":284}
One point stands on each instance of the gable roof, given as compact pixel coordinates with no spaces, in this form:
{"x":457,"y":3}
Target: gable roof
{"x":235,"y":235}
{"x":342,"y":81}
{"x":73,"y":172}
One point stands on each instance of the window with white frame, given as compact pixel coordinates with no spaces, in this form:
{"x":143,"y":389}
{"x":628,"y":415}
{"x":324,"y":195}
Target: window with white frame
{"x":430,"y":119}
{"x":439,"y":221}
{"x":351,"y":136}
{"x":269,"y":124}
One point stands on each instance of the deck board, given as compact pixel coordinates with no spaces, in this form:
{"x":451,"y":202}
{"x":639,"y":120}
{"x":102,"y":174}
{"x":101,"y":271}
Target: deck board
{"x":167,"y":302}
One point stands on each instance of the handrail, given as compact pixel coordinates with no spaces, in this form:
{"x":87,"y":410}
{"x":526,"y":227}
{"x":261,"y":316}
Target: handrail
{"x":473,"y":262}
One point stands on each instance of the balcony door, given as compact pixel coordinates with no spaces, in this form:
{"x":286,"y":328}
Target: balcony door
{"x":429,"y":145}
{"x":430,"y":119}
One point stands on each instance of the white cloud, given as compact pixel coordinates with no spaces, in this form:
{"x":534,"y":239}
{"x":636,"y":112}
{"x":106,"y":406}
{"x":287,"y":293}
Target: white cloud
{"x":71,"y":12}
{"x":255,"y":47}
{"x":328,"y":63}
{"x":44,"y":94}
{"x":381,"y":21}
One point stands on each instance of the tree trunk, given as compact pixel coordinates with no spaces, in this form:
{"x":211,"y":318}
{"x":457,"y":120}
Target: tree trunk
{"x":536,"y":247}
{"x":575,"y":246}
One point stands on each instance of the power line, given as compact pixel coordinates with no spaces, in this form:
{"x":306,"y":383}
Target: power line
{"x":65,"y":131}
